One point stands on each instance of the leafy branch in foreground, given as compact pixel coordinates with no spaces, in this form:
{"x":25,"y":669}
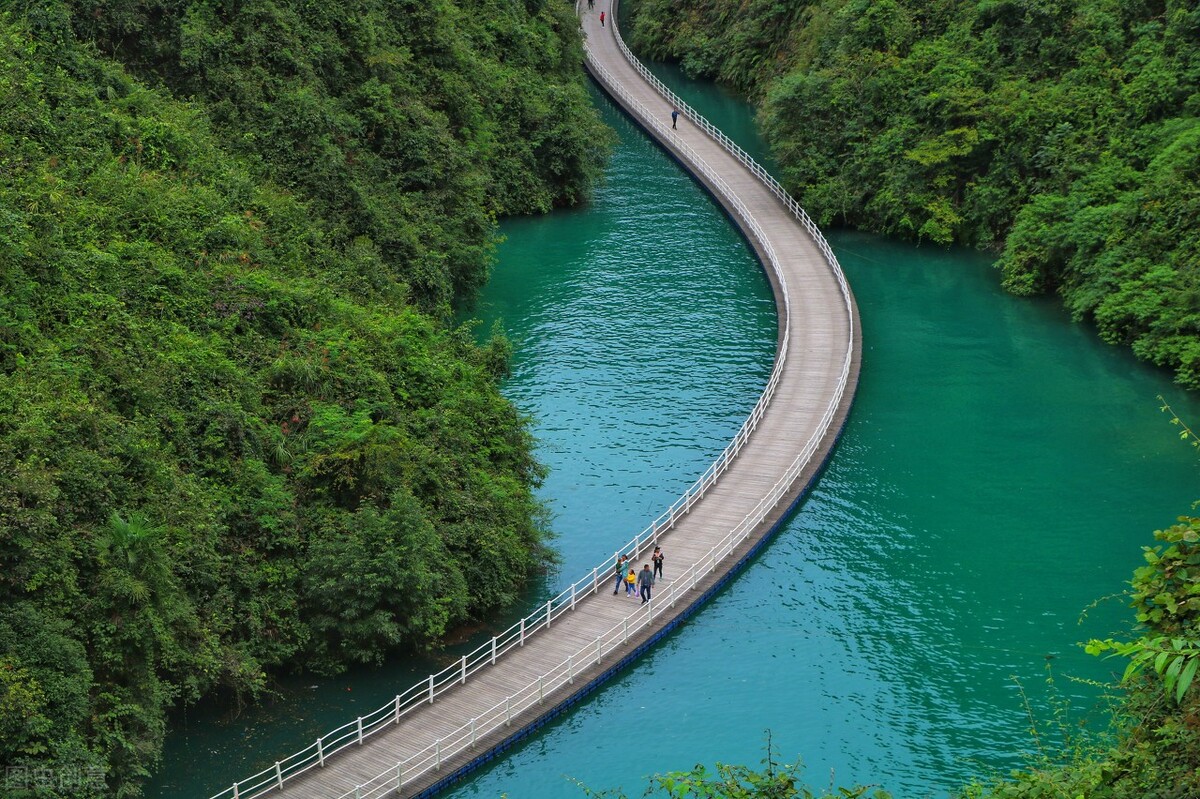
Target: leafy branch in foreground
{"x":1166,"y":595}
{"x":731,"y":781}
{"x":1186,"y":433}
{"x":1175,"y":660}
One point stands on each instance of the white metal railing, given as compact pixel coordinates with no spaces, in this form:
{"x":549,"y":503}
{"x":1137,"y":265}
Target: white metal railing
{"x":729,"y":144}
{"x":564,"y":673}
{"x":501,"y":714}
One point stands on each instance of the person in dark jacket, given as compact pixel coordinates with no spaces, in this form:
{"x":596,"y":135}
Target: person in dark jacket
{"x":645,"y":582}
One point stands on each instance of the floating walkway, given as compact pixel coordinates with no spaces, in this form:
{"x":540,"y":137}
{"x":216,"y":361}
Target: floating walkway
{"x":454,"y":721}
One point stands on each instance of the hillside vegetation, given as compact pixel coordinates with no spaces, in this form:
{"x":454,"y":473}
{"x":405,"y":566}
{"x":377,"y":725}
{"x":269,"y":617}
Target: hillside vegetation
{"x":1065,"y":133}
{"x":238,"y":433}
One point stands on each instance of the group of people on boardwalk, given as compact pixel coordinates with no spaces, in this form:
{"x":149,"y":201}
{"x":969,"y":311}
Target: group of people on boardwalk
{"x":643,"y":581}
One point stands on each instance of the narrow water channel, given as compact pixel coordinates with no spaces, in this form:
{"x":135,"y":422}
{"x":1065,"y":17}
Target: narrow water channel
{"x":1000,"y":471}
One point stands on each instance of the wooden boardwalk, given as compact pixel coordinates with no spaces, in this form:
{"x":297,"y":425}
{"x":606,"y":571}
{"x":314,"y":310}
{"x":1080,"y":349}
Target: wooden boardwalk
{"x":438,"y":733}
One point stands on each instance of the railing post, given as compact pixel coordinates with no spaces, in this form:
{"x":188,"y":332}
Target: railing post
{"x":626,"y":630}
{"x":508,"y":711}
{"x":399,"y":776}
{"x":278,"y":774}
{"x":357,"y":792}
{"x":572,"y":596}
{"x":472,"y":733}
{"x":595,"y":579}
{"x":360,"y":735}
{"x":320,"y":754}
{"x":541,"y":689}
{"x":549,"y":602}
{"x":463,"y":680}
{"x":570,"y":670}
{"x":599,"y":653}
{"x":397,"y":708}
{"x":235,"y":791}
{"x":438,"y":754}
{"x":493,"y":650}
{"x":522,"y":631}
{"x":431,"y":689}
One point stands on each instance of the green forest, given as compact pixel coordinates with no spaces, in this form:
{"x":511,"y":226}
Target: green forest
{"x":240,"y":432}
{"x":1063,"y":135}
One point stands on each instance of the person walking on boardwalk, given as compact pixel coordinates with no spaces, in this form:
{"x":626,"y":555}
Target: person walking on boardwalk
{"x":645,"y":580}
{"x":630,"y":583}
{"x":591,"y":4}
{"x":601,"y":19}
{"x":620,"y":573}
{"x":674,"y":118}
{"x":657,"y":560}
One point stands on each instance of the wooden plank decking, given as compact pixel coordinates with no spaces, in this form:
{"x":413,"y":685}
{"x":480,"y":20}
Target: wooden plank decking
{"x":819,"y":348}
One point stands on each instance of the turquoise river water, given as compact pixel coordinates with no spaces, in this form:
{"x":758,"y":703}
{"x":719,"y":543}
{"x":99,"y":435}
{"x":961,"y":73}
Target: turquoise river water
{"x":998,"y":475}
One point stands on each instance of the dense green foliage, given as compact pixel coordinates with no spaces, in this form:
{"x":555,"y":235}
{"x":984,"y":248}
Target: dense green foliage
{"x":1066,"y":132}
{"x":409,"y":125}
{"x":237,"y":432}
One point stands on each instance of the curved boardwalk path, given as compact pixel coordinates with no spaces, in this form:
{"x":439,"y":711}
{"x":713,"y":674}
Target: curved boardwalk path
{"x":466,"y":715}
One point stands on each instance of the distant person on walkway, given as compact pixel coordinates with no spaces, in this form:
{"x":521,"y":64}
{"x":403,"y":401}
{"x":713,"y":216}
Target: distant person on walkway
{"x":591,"y":4}
{"x":620,"y":574}
{"x":630,"y":583}
{"x":601,"y":19}
{"x":657,"y":559}
{"x":645,"y":581}
{"x":674,"y":118}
